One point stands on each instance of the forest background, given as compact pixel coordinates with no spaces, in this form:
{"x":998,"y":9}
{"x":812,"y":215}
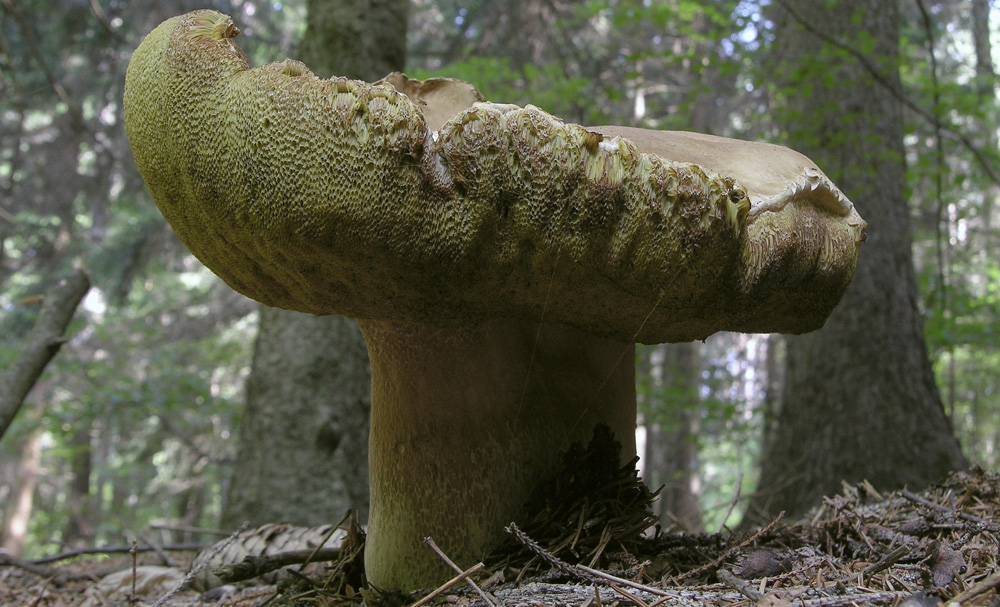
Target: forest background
{"x":131,"y":431}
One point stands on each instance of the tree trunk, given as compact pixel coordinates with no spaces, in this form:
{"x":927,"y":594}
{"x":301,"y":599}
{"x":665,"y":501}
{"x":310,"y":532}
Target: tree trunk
{"x":17,"y":512}
{"x":79,"y":530}
{"x":670,"y":416}
{"x":986,"y":82}
{"x":679,"y":499}
{"x":303,"y":454}
{"x":363,"y":39}
{"x":860,"y":401}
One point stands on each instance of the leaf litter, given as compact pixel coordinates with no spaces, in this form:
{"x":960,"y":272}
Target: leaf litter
{"x":592,"y":542}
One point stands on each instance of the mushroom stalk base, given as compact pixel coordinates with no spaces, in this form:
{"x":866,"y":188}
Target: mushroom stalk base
{"x":467,"y":423}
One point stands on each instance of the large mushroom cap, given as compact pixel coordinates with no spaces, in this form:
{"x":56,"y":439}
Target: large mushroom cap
{"x":334,"y":196}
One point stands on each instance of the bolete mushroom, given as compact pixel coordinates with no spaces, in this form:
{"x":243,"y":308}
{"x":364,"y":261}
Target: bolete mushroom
{"x":501,"y":262}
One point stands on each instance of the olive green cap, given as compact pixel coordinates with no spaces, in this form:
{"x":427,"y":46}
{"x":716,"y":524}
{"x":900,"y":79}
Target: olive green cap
{"x":343,"y":197}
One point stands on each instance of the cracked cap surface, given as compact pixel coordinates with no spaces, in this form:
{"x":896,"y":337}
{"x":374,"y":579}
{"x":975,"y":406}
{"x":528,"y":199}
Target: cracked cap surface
{"x":334,"y":196}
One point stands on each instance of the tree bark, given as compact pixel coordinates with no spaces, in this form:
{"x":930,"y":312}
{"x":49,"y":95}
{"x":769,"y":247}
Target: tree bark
{"x":985,"y":72}
{"x":363,"y":39}
{"x":860,"y":400}
{"x":679,"y":499}
{"x":43,"y":343}
{"x":79,"y":529}
{"x":986,"y":82}
{"x":303,"y":454}
{"x":20,"y":500}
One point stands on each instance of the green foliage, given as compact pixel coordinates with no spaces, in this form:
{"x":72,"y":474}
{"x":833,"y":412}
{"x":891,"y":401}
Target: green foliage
{"x":583,"y":62}
{"x":714,"y":401}
{"x":546,"y":87}
{"x":149,"y":388}
{"x":953,"y":197}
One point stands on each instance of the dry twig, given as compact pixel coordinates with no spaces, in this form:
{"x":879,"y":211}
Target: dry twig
{"x":57,"y":576}
{"x":169,"y":562}
{"x":62,"y":556}
{"x":629,"y":596}
{"x":732,"y":503}
{"x":196,"y":570}
{"x":886,"y":561}
{"x":743,"y":587}
{"x":326,"y":538}
{"x":990,"y":583}
{"x":430,"y":542}
{"x":550,"y":558}
{"x":254,"y":566}
{"x":624,"y":582}
{"x":986,"y":525}
{"x":458,"y":578}
{"x":133,"y":554}
{"x":734,"y":550}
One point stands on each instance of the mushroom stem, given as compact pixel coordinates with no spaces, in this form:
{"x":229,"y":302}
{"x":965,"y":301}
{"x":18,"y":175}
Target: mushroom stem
{"x":468,"y":422}
{"x":413,"y":205}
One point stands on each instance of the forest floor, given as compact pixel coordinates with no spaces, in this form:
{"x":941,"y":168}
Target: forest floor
{"x":939,"y":546}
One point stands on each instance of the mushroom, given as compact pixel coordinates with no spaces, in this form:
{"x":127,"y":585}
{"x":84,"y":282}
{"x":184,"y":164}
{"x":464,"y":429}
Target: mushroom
{"x":501,"y":262}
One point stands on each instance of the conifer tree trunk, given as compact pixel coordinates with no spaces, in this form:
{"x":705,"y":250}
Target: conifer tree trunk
{"x":860,"y":400}
{"x":677,"y":445}
{"x":303,"y":454}
{"x":21,"y":495}
{"x":79,"y":528}
{"x":986,"y":88}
